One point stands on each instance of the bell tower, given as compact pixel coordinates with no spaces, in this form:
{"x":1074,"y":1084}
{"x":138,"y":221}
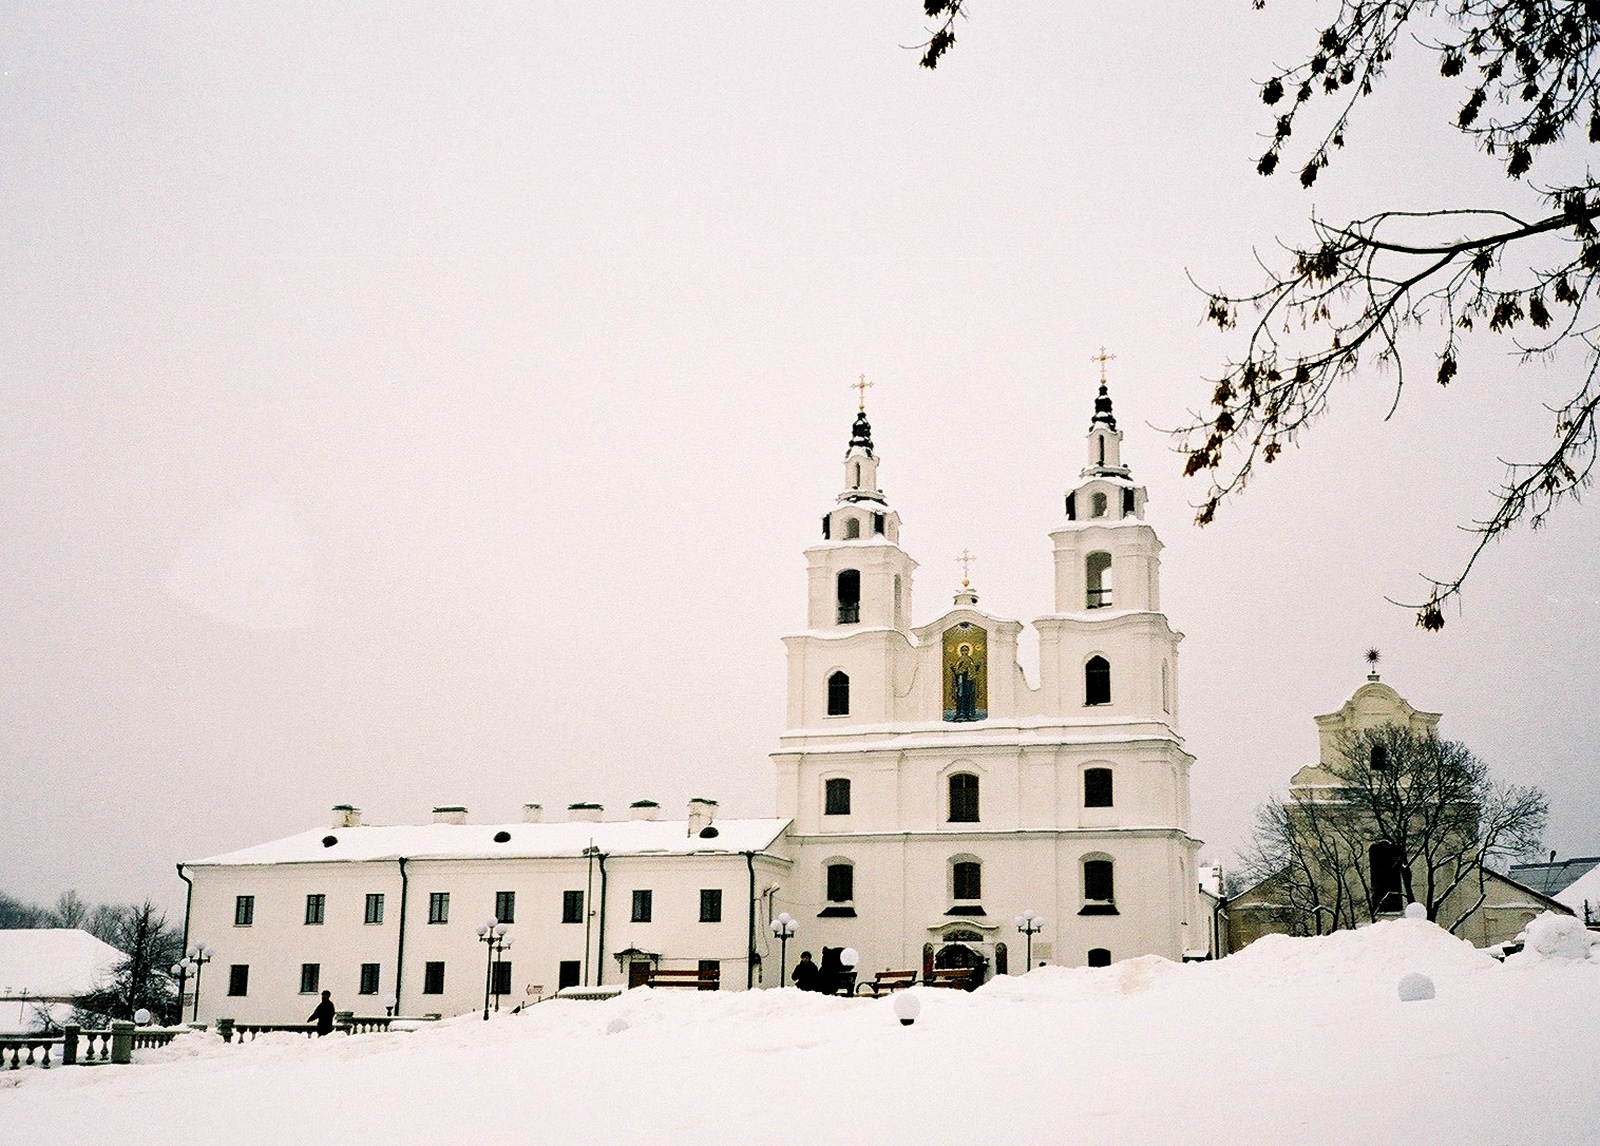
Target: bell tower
{"x":1108,"y":644}
{"x":858,"y":607}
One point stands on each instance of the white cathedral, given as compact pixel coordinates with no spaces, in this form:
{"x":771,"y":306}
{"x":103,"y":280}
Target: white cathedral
{"x":927,"y":794}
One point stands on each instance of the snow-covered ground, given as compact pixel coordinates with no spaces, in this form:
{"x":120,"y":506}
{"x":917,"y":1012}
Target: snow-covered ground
{"x":1290,"y":1041}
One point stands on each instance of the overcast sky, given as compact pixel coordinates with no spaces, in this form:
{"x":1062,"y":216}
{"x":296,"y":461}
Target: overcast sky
{"x":431,"y":404}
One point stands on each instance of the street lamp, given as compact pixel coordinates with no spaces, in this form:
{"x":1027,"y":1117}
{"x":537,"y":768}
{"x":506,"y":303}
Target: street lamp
{"x":1030,"y":925}
{"x":783,"y":931}
{"x":493,"y":935}
{"x":199,"y":955}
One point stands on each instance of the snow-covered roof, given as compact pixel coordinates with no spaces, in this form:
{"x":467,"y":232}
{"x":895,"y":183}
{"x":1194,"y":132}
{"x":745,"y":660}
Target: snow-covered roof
{"x":53,"y":962}
{"x":1584,"y":889}
{"x":477,"y":841}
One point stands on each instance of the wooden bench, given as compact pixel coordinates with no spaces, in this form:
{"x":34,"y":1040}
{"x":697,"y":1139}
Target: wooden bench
{"x":708,"y":980}
{"x":886,"y":981}
{"x":948,"y":977}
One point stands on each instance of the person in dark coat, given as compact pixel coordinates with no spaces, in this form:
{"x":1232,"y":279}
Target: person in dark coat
{"x":830,"y":972}
{"x":323,"y":1015}
{"x":805,"y":973}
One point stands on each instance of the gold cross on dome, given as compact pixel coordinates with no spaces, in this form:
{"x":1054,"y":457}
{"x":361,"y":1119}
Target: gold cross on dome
{"x":1102,"y":358}
{"x":863,"y":386}
{"x":965,"y":561}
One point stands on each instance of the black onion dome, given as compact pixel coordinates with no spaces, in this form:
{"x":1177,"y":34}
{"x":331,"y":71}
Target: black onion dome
{"x":861,"y":433}
{"x":1102,"y":410}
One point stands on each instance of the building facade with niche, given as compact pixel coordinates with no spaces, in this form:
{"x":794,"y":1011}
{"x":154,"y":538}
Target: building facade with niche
{"x":935,"y":793}
{"x":927,"y":793}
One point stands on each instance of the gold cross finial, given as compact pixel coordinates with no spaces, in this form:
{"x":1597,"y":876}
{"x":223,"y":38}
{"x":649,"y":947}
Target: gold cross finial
{"x":965,"y":561}
{"x":1102,"y":358}
{"x":863,"y":386}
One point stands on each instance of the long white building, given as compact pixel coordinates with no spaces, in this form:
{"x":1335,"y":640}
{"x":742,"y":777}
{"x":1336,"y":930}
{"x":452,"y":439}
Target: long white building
{"x":927,"y":793}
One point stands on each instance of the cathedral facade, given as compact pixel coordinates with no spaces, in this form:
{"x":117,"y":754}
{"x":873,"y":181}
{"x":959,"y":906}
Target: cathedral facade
{"x":935,"y":793}
{"x":927,"y":794}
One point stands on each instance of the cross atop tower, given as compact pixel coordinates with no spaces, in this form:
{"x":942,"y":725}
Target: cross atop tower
{"x":1103,"y":357}
{"x":965,"y":561}
{"x":863,"y":386}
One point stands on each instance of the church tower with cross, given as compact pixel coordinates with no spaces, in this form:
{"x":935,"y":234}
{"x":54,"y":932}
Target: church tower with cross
{"x":936,"y":793}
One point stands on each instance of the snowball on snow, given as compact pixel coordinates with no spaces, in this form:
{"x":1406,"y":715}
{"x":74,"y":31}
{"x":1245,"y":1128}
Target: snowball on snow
{"x":1415,"y":987}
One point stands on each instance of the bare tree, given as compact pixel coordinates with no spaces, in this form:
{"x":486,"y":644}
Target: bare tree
{"x":1406,"y":818}
{"x":141,"y":980}
{"x":17,"y":915}
{"x":1361,"y":292}
{"x":70,"y":910}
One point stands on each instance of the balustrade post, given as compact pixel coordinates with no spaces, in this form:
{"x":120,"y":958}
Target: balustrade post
{"x":344,"y":1021}
{"x":225,"y":1029}
{"x":121,"y":1042}
{"x":69,"y":1044}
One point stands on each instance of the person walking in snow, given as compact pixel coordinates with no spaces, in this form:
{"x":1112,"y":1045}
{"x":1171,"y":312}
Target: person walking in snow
{"x":323,"y":1015}
{"x":805,"y":973}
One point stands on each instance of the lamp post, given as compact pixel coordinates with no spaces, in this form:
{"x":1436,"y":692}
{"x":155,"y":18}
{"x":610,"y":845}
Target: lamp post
{"x":783,"y":931}
{"x":493,"y":935}
{"x":199,"y":955}
{"x":1030,"y":925}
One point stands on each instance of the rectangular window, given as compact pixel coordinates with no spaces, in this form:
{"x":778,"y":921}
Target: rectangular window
{"x":502,"y":978}
{"x":244,"y":910}
{"x":836,"y":797}
{"x":374,"y":907}
{"x":1097,"y":881}
{"x":316,"y":905}
{"x":841,"y":883}
{"x":310,"y":978}
{"x":710,"y":905}
{"x":433,"y":978}
{"x":567,"y":974}
{"x":239,"y":979}
{"x":439,"y":907}
{"x":643,"y":904}
{"x":967,"y":880}
{"x":505,"y":906}
{"x":963,"y":798}
{"x":572,"y":907}
{"x":1097,"y":788}
{"x":710,"y":974}
{"x":369,"y":978}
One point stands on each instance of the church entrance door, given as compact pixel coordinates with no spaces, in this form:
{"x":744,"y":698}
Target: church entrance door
{"x":638,"y":973}
{"x":961,"y":955}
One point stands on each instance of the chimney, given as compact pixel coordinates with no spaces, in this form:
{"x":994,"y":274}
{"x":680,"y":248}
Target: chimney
{"x":585,"y":813}
{"x":532,"y":813}
{"x":644,"y":810}
{"x":346,"y":816}
{"x":701,"y":813}
{"x":450,"y":814}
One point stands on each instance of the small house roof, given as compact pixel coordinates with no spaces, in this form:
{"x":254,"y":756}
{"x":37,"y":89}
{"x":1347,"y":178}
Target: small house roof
{"x":53,"y":963}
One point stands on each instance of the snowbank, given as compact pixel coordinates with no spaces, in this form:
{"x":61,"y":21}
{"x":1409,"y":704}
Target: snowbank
{"x":1291,"y":1041}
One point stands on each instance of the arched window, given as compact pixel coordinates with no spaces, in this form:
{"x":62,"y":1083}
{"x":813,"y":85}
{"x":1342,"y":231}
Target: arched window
{"x":1099,"y":886}
{"x":855,"y":475}
{"x":966,"y":879}
{"x":1072,"y":507}
{"x":838,"y":694}
{"x":1388,"y":887}
{"x":836,"y":797}
{"x":963,"y":798}
{"x":1097,"y":787}
{"x":1099,"y":957}
{"x":852,"y":528}
{"x":1097,"y":571}
{"x":849,"y":584}
{"x":1380,"y":758}
{"x":1097,"y":505}
{"x":899,"y":618}
{"x":841,"y":883}
{"x":1166,"y":689}
{"x":1097,"y":681}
